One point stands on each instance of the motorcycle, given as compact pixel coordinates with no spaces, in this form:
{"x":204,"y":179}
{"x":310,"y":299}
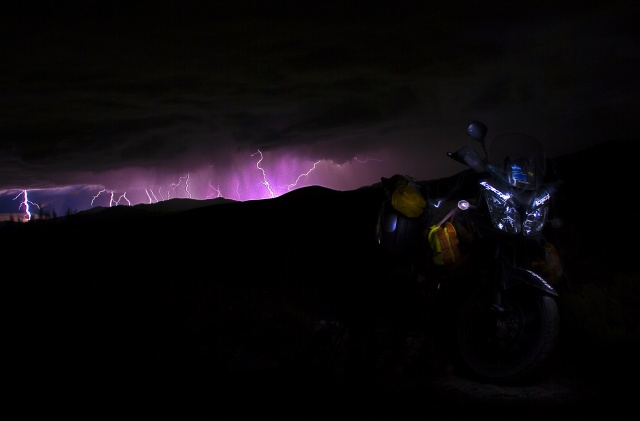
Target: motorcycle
{"x":480,"y":242}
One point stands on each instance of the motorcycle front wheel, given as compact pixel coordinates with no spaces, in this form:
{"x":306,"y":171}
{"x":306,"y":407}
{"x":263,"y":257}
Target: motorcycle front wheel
{"x":508,"y":343}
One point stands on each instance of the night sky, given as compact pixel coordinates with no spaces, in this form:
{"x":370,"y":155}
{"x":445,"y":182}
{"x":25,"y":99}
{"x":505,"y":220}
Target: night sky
{"x":126,"y":102}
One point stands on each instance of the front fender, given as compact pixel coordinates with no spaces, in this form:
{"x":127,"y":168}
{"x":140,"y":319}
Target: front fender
{"x":519,"y":275}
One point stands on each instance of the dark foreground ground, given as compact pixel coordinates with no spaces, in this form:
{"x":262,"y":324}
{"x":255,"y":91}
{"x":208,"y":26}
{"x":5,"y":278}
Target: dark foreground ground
{"x":285,"y":308}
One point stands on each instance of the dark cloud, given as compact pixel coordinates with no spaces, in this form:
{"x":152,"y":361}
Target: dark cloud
{"x":89,"y":88}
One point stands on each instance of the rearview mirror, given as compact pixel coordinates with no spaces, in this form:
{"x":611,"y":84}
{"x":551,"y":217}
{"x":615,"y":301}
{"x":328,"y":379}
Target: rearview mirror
{"x":477,"y":131}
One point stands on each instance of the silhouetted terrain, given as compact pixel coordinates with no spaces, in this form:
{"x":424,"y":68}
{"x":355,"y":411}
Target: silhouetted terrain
{"x":286,"y":307}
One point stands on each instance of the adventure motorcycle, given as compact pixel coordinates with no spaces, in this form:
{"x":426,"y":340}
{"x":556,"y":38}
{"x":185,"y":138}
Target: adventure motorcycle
{"x":479,"y":240}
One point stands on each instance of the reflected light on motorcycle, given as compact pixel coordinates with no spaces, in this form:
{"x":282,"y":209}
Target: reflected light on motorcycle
{"x":391,"y":223}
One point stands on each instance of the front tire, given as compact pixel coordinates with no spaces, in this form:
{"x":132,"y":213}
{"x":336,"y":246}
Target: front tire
{"x":509,"y":344}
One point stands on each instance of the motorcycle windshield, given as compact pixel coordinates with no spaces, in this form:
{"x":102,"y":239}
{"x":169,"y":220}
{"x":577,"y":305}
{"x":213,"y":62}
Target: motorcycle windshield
{"x":520,"y":159}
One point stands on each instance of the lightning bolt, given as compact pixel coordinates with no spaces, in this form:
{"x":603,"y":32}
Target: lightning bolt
{"x":96,"y":196}
{"x":216,"y":189}
{"x":123,"y":196}
{"x":364,"y":161}
{"x":26,"y":202}
{"x":238,"y":190}
{"x":306,"y":174}
{"x":151,"y":195}
{"x":112,"y":200}
{"x":264,"y":181}
{"x":174,"y":186}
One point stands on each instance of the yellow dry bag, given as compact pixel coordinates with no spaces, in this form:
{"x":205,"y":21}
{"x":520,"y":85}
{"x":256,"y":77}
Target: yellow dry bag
{"x":444,"y":244}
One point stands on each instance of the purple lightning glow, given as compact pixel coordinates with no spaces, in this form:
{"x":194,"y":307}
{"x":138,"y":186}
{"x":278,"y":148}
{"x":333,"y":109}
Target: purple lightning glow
{"x":258,"y":176}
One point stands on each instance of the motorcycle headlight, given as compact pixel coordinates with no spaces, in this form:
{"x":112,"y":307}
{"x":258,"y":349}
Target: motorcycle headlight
{"x":534,"y":220}
{"x":506,"y":216}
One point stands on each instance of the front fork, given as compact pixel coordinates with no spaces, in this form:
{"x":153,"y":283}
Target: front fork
{"x":508,"y":276}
